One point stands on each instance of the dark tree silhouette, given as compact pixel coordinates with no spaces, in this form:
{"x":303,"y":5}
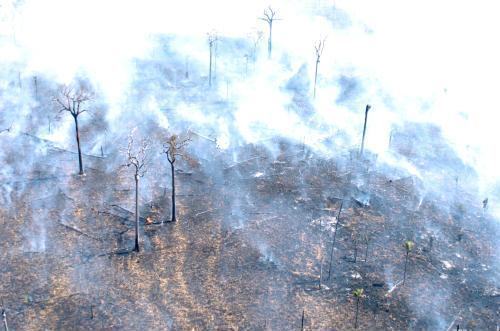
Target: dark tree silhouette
{"x":269,"y":17}
{"x":364,"y":129}
{"x":137,"y":159}
{"x":320,"y":45}
{"x":173,"y":148}
{"x":72,"y":102}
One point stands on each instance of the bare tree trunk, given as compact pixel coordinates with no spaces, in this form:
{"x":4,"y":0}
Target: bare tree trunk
{"x":364,"y":129}
{"x":174,"y":218}
{"x":4,"y":318}
{"x":270,"y":41}
{"x":303,"y":319}
{"x":35,"y":81}
{"x":210,"y":68}
{"x":80,"y":162}
{"x":406,"y":263}
{"x":355,"y":251}
{"x":366,"y":251}
{"x":316,"y":76}
{"x":357,"y":310}
{"x":136,"y":248}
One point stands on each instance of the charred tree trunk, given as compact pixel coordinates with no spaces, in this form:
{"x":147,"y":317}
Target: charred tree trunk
{"x":210,"y":67}
{"x":270,"y":40}
{"x":406,"y":264}
{"x":357,"y":310}
{"x":355,"y":251}
{"x":136,"y":248}
{"x":364,"y":129}
{"x":77,"y":133}
{"x":303,"y":320}
{"x":334,"y":238}
{"x":4,"y":318}
{"x":315,"y":77}
{"x":174,"y":218}
{"x":366,"y":251}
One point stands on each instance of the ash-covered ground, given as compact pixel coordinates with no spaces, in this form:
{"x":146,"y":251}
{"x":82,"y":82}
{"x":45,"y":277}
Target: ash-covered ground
{"x":252,"y":247}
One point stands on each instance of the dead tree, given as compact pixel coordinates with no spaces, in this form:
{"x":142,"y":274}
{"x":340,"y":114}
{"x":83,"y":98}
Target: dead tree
{"x":408,"y":247}
{"x":138,"y":160}
{"x":269,"y":17}
{"x":73,"y":101}
{"x":358,"y":293}
{"x":174,"y":148}
{"x":364,"y":129}
{"x":320,"y":45}
{"x":212,"y":41}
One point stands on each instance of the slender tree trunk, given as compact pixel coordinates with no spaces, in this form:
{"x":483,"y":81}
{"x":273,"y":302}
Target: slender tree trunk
{"x":334,"y":238}
{"x":210,"y":67}
{"x":316,"y":76}
{"x":36,"y":87}
{"x":364,"y":129}
{"x":4,"y":318}
{"x":406,"y":263}
{"x":357,"y":310}
{"x":355,"y":251}
{"x":303,"y":320}
{"x":270,"y":41}
{"x":366,"y":251}
{"x":136,"y":248}
{"x":174,"y":218}
{"x":80,"y":162}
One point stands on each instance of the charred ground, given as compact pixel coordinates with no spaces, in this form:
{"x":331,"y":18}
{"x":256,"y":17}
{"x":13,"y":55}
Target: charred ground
{"x":248,"y":248}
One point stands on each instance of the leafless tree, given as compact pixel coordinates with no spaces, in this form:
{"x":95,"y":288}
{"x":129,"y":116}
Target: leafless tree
{"x":72,"y":101}
{"x":212,"y":43}
{"x":269,"y":17}
{"x":174,"y":148}
{"x":320,"y":45}
{"x":138,"y":160}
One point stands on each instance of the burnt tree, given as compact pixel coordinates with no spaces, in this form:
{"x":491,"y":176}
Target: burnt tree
{"x":320,"y":45}
{"x":174,"y":148}
{"x":137,"y":160}
{"x":364,"y":129}
{"x":212,"y":41}
{"x":72,"y":102}
{"x":269,"y":17}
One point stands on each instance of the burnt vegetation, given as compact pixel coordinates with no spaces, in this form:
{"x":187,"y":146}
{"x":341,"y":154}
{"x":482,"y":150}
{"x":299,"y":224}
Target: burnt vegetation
{"x":273,"y":235}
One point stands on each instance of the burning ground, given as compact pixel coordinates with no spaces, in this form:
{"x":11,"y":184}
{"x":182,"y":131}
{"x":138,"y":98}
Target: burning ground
{"x":254,"y":237}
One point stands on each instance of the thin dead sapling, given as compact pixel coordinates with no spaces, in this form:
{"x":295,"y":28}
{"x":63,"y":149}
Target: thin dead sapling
{"x":320,"y":45}
{"x":364,"y":129}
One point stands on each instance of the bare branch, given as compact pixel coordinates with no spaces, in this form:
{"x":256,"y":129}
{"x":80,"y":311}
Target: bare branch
{"x":138,"y":158}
